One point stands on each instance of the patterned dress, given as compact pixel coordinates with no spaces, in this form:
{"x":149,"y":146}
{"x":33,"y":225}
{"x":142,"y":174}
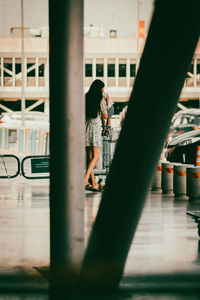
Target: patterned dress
{"x":93,"y":128}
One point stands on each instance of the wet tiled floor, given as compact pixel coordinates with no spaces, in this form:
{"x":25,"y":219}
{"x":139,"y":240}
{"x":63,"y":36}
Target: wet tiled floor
{"x":163,"y":262}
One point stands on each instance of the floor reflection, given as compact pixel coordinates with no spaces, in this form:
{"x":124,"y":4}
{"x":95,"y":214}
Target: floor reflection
{"x":166,"y":239}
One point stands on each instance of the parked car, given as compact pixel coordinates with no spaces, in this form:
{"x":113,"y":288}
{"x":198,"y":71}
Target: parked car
{"x":183,"y":148}
{"x":184,"y":121}
{"x":33,"y":120}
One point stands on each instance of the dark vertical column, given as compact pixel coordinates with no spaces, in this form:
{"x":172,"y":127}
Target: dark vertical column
{"x":169,"y":49}
{"x":66,"y":135}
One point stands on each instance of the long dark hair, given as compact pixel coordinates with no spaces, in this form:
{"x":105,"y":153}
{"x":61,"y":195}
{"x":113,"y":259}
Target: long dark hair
{"x":93,"y":98}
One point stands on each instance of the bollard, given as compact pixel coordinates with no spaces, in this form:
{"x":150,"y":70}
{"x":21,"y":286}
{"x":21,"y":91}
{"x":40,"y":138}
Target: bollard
{"x":47,"y":144}
{"x":156,"y":181}
{"x":198,"y":156}
{"x":193,"y":183}
{"x":179,"y":180}
{"x":167,"y":178}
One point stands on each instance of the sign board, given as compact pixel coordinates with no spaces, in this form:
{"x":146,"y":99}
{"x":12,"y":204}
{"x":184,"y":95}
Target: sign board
{"x":12,"y":135}
{"x":40,"y":165}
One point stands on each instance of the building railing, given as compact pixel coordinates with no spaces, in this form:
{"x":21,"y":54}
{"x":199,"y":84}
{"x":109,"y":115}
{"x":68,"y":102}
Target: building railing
{"x":118,"y":74}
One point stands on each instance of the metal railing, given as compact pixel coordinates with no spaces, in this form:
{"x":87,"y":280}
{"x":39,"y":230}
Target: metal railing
{"x":6,"y":169}
{"x":29,"y":167}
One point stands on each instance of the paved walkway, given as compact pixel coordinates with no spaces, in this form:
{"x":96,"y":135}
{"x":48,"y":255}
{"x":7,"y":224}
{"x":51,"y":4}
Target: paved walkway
{"x":163,"y":262}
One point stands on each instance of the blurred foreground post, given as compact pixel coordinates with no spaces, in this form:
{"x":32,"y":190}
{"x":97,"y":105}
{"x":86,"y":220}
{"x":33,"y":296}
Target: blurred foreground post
{"x":169,"y":49}
{"x":66,"y":137}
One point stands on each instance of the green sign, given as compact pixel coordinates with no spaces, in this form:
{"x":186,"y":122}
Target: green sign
{"x":40,"y":165}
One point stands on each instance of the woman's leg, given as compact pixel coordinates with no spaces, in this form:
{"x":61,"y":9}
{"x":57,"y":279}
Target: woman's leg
{"x":91,"y":165}
{"x":89,"y":156}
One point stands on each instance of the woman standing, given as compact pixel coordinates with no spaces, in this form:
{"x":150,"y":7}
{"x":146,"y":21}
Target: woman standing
{"x":96,"y":116}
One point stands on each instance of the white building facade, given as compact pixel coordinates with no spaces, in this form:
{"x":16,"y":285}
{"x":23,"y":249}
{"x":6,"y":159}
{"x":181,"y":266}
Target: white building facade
{"x":113,"y":60}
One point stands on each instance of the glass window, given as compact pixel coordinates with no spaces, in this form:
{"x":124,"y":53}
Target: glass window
{"x":111,"y":70}
{"x":132,"y":70}
{"x":8,"y":66}
{"x":122,"y":70}
{"x":198,"y":68}
{"x":17,"y":68}
{"x":30,"y":73}
{"x":88,"y":70}
{"x":41,"y":70}
{"x":99,"y":70}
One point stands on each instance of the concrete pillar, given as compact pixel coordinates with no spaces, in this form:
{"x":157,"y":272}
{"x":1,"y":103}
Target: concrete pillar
{"x":127,"y":183}
{"x":94,"y":68}
{"x":13,"y":70}
{"x":2,"y":71}
{"x":46,"y":74}
{"x":105,"y":64}
{"x":46,"y":106}
{"x":128,"y":72}
{"x":37,"y":71}
{"x":117,"y":72}
{"x":195,"y":72}
{"x":67,"y":135}
{"x":25,"y":72}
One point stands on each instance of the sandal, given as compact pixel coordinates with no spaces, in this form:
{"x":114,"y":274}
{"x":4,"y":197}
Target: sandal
{"x":96,"y":189}
{"x":101,"y":186}
{"x":88,"y":187}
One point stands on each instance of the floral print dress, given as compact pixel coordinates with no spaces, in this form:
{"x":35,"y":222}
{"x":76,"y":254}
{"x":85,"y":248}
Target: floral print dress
{"x":93,"y":128}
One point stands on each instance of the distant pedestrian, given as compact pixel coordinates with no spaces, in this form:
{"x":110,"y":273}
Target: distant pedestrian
{"x":96,"y":116}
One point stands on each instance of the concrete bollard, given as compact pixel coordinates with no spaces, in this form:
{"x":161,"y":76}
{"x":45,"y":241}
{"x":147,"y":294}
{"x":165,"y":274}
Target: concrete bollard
{"x":193,"y":183}
{"x":197,"y":163}
{"x":179,"y":180}
{"x":167,"y":178}
{"x":156,"y":180}
{"x":47,"y":144}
